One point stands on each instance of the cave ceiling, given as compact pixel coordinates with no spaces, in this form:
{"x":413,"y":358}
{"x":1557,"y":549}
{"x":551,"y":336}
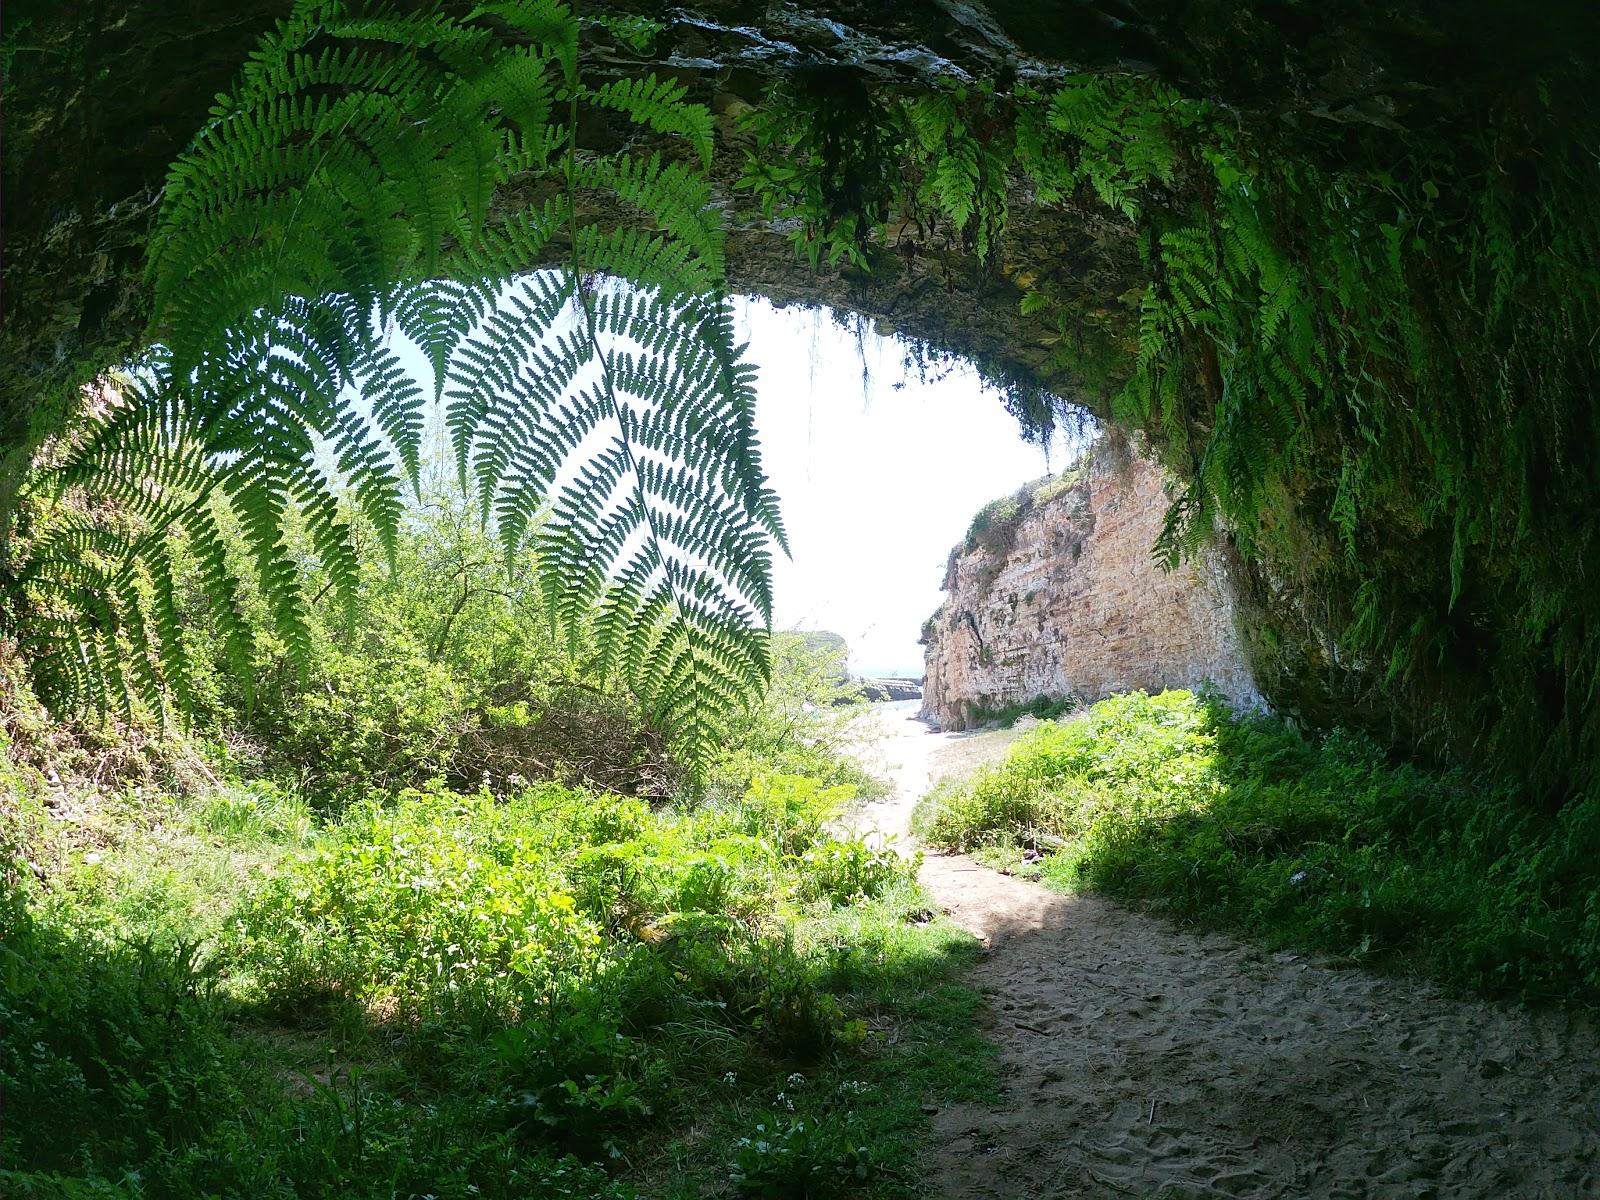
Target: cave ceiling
{"x":101,"y":96}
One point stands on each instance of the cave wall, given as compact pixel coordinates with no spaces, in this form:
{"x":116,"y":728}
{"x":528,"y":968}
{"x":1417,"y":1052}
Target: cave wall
{"x":1064,"y":600}
{"x":101,"y":96}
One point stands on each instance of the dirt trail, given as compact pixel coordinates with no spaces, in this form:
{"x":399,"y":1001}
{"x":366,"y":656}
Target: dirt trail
{"x":1143,"y":1060}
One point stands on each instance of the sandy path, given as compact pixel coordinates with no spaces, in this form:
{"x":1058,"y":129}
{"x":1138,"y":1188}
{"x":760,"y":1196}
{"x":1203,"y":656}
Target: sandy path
{"x":1143,"y":1060}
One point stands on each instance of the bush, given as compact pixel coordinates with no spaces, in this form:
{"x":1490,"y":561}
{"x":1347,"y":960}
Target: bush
{"x":435,"y":902}
{"x":789,"y":811}
{"x":1320,"y":843}
{"x":461,"y":994}
{"x":844,"y":871}
{"x":788,"y":1157}
{"x":449,"y":672}
{"x":118,"y":1041}
{"x":806,"y":725}
{"x":446,"y":906}
{"x":1043,"y":708}
{"x":1136,"y":756}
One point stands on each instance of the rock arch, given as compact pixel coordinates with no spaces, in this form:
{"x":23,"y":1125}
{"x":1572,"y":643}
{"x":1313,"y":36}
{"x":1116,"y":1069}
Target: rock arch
{"x":97,"y":108}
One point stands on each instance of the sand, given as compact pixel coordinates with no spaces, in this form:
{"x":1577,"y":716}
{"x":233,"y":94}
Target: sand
{"x":1139,"y":1059}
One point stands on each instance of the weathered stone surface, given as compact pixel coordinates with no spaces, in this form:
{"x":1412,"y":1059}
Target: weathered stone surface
{"x":890,"y":689}
{"x":1064,"y":599}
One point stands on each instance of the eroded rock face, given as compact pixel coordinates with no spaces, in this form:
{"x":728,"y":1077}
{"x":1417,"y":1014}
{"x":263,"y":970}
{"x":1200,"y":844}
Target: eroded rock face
{"x":1061,"y":597}
{"x":877,"y":690}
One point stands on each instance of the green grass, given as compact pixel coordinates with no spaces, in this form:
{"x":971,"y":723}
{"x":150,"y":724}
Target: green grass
{"x":1043,"y":708}
{"x":1315,"y":843}
{"x":558,"y":993}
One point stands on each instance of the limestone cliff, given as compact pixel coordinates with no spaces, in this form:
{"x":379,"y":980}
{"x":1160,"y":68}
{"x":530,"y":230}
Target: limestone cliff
{"x":1054,"y":593}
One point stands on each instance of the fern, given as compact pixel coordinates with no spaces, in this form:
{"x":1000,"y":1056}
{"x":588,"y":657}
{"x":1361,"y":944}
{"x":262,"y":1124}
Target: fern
{"x":345,"y":190}
{"x":1370,"y":359}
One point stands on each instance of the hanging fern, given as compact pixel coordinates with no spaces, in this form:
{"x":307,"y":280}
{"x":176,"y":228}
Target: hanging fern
{"x":347,"y":187}
{"x":1369,"y":358}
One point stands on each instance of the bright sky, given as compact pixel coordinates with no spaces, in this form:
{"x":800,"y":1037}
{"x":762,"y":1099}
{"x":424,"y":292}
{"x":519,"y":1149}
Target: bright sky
{"x":878,"y":479}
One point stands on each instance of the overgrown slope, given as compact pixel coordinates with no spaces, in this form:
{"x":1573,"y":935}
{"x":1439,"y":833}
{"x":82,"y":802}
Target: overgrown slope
{"x":1314,"y":842}
{"x":554,"y":993}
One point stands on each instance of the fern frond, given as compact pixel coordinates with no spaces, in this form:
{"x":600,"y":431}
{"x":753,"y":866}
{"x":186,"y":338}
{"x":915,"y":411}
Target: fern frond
{"x":658,"y":104}
{"x":221,"y":588}
{"x":341,"y":191}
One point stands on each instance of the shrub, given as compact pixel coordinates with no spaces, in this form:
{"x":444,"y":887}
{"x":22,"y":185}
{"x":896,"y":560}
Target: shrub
{"x":790,"y":811}
{"x":844,"y":871}
{"x":495,"y":913}
{"x":453,"y":994}
{"x":118,"y":1041}
{"x":1137,"y":755}
{"x":430,"y":903}
{"x":572,"y":1075}
{"x":1043,"y":708}
{"x":994,"y":525}
{"x":804,"y":1157}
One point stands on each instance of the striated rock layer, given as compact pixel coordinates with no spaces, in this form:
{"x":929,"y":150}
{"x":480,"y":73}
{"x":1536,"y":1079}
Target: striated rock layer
{"x":1055,"y":594}
{"x":876,"y":690}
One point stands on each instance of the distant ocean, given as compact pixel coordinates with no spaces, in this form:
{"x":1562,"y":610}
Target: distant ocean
{"x":905,"y":706}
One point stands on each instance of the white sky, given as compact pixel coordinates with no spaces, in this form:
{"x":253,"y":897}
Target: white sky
{"x":878,"y":480}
